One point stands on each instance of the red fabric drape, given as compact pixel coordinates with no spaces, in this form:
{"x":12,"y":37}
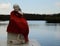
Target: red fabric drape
{"x":18,"y":25}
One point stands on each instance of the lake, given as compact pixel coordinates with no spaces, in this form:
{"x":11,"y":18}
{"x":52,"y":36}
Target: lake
{"x":47,"y":34}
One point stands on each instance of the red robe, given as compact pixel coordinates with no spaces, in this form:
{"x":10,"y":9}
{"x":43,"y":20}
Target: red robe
{"x":18,"y":25}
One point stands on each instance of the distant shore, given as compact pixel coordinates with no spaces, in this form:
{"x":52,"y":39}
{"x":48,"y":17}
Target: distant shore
{"x":51,"y":18}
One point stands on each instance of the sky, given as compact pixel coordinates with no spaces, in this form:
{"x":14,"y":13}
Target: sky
{"x":31,"y":6}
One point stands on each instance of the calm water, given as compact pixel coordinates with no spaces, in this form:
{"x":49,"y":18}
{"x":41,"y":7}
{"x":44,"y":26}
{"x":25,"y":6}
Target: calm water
{"x":47,"y":34}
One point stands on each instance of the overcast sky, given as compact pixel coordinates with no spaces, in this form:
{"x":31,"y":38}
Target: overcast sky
{"x":31,"y":6}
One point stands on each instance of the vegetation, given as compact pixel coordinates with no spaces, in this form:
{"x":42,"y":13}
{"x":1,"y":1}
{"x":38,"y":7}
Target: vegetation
{"x":54,"y":18}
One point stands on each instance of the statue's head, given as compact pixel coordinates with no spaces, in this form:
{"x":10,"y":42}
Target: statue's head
{"x":16,"y":7}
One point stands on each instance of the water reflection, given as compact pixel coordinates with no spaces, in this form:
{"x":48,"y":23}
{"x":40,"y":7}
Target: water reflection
{"x":47,"y":34}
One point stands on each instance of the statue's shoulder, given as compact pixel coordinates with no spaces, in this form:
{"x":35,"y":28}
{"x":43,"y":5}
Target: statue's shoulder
{"x":12,"y":11}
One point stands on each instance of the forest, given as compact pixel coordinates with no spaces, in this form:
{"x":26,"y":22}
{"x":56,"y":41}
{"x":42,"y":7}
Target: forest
{"x":49,"y":18}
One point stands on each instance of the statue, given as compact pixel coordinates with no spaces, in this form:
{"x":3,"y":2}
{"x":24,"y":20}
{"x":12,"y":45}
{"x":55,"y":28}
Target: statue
{"x":18,"y":28}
